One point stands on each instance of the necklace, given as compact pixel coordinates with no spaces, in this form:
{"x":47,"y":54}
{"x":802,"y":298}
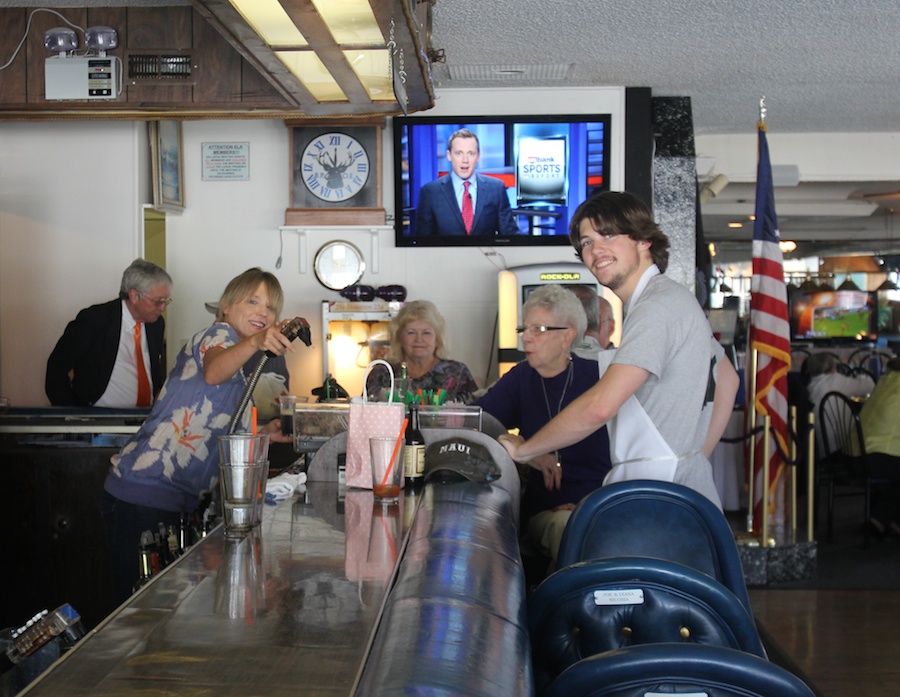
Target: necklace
{"x":562,"y":398}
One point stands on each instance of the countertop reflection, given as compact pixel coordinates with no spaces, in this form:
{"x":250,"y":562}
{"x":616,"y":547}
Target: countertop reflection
{"x":288,"y":609}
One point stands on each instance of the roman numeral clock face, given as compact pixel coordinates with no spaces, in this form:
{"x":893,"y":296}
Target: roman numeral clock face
{"x":334,"y":166}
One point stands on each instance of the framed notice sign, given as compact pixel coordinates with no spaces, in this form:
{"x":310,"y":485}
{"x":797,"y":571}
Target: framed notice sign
{"x":226,"y":161}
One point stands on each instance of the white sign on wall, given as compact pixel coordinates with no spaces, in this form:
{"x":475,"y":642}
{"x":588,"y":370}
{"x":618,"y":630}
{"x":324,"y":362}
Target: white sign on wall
{"x":226,"y":161}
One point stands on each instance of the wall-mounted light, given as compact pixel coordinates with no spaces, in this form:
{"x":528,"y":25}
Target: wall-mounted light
{"x":91,"y":75}
{"x":713,"y":188}
{"x":101,"y":39}
{"x":60,"y":40}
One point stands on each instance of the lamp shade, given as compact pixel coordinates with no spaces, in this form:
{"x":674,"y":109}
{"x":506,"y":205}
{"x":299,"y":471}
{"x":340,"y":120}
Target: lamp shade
{"x":101,"y":38}
{"x":848,"y":285}
{"x":888,"y":284}
{"x":60,"y":39}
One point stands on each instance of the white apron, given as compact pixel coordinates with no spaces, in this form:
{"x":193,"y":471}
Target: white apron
{"x":636,"y":448}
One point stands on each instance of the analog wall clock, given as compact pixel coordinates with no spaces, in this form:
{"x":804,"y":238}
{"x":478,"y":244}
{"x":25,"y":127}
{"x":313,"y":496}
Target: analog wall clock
{"x":339,"y":264}
{"x":336,"y":166}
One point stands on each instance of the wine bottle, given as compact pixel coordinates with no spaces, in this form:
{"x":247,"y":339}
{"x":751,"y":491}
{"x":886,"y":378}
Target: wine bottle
{"x":414,"y":452}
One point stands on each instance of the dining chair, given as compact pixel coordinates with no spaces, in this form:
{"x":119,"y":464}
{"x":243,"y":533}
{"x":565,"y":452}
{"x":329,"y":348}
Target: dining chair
{"x":841,"y":466}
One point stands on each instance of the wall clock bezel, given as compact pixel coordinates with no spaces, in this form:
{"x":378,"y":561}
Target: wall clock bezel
{"x":339,"y":264}
{"x":362,"y":206}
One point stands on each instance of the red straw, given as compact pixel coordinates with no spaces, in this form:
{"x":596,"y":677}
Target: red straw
{"x":253,"y":420}
{"x":387,"y":472}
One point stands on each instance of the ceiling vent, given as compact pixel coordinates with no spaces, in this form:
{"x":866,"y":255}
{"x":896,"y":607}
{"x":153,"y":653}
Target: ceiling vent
{"x":560,"y":71}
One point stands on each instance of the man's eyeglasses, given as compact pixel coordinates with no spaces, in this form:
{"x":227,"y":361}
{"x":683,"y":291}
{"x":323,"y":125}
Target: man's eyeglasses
{"x":535,"y":329}
{"x":158,"y":302}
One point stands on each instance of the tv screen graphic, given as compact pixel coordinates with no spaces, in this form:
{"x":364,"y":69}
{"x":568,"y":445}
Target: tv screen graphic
{"x":547,"y":165}
{"x":833,"y":315}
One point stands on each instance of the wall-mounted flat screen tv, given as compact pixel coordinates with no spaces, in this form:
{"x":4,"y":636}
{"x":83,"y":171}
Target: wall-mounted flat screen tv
{"x":833,"y":315}
{"x":547,"y":165}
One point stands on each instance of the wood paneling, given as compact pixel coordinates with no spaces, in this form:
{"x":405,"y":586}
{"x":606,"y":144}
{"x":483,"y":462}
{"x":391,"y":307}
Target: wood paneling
{"x":152,"y":28}
{"x":217,"y":71}
{"x":12,"y":79}
{"x":220,"y":78}
{"x":226,"y":78}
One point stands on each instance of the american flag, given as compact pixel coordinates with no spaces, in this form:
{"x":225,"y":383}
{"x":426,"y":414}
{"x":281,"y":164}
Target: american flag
{"x":769,"y":335}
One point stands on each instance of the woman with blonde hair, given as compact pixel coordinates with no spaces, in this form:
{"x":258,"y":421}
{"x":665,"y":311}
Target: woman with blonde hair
{"x":171,"y":464}
{"x":419,"y":340}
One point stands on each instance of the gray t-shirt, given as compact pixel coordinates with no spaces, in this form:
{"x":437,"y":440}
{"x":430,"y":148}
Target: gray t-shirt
{"x":666,"y":333}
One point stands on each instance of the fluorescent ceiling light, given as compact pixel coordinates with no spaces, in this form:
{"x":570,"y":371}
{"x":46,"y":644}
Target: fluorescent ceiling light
{"x":373,"y":68}
{"x":271,"y":22}
{"x":350,"y":21}
{"x":306,"y":67}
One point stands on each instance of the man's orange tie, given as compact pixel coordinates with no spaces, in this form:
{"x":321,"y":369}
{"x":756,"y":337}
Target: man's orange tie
{"x":468,"y":212}
{"x":143,"y":394}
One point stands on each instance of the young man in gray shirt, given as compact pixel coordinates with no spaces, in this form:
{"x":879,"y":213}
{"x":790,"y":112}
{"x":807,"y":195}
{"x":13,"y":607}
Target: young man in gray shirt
{"x":668,"y":391}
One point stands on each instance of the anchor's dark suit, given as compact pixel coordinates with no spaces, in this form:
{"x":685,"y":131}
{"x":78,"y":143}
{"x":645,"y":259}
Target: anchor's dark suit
{"x":438,"y":212}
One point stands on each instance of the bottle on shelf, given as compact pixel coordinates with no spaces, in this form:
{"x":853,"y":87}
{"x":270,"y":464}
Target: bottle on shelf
{"x":146,"y":564}
{"x":162,"y":542}
{"x":172,"y":543}
{"x":184,"y":533}
{"x":414,"y":452}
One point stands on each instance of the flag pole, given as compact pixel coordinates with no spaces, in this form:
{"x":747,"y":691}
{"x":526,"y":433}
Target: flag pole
{"x":751,"y":427}
{"x":769,"y":338}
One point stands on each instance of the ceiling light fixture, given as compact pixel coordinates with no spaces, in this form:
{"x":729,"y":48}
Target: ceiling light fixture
{"x":300,"y":41}
{"x":787,"y":246}
{"x":334,"y":58}
{"x":848,"y":284}
{"x":735,"y":226}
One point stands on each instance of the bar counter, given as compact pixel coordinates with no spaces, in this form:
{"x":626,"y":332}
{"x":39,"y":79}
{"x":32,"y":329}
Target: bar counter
{"x":289,"y":609}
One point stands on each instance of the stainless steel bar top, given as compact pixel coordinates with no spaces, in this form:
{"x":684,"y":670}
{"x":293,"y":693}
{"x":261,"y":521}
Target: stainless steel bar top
{"x":287,"y":610}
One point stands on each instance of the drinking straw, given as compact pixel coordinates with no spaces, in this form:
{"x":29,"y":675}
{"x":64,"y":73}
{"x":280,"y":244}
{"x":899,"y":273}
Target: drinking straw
{"x":387,"y":472}
{"x":253,"y":420}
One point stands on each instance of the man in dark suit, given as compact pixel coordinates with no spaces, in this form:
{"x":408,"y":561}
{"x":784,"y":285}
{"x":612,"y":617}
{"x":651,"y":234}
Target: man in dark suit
{"x":96,"y":362}
{"x":463,"y":202}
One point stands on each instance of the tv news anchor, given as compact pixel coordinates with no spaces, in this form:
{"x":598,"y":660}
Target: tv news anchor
{"x":464,"y":202}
